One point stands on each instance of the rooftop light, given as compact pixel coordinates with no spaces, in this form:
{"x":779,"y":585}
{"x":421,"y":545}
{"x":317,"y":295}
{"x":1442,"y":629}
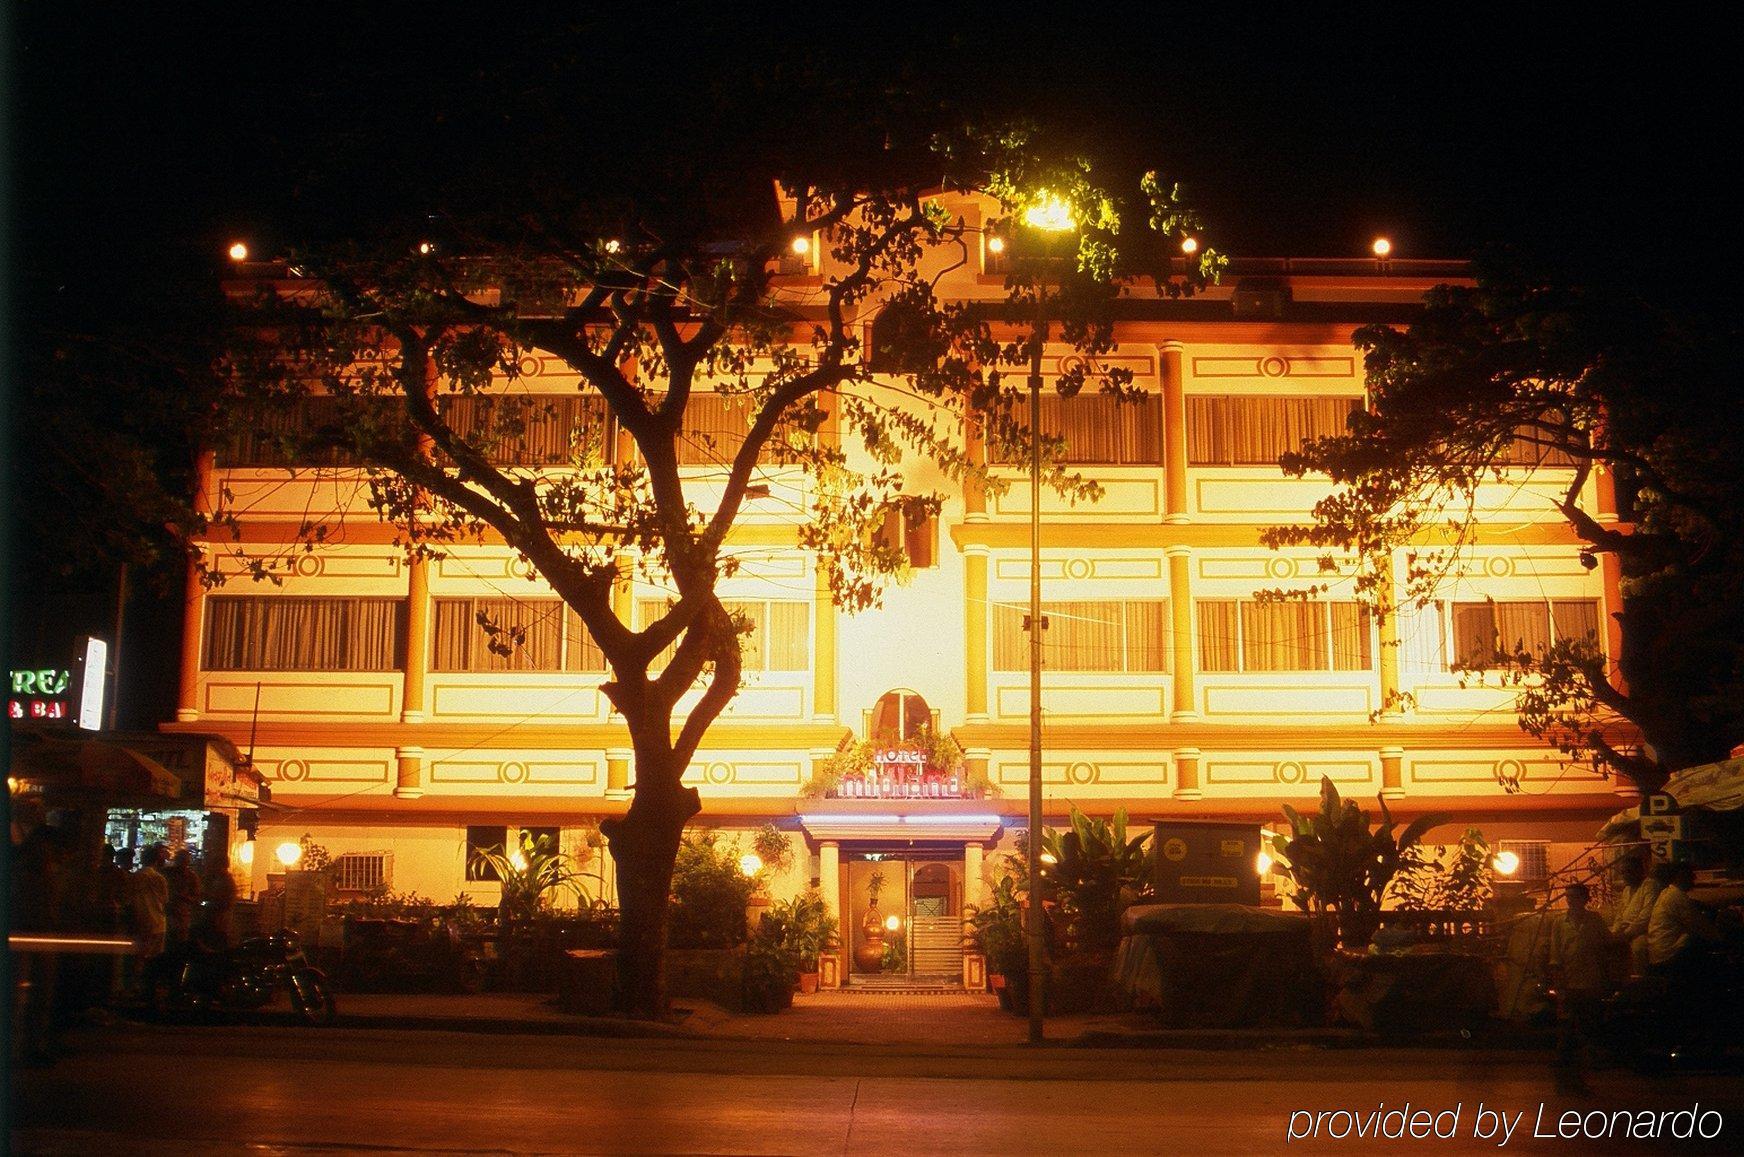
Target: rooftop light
{"x":1381,"y":247}
{"x":1189,"y":245}
{"x":238,"y":251}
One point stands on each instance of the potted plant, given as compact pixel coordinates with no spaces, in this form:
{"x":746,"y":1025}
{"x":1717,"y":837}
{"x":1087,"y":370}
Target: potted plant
{"x":869,"y":956}
{"x":804,"y":925}
{"x":995,"y":930}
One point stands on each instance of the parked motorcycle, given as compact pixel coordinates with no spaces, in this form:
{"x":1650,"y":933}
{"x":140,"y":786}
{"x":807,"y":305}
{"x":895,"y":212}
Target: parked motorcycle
{"x":249,"y":975}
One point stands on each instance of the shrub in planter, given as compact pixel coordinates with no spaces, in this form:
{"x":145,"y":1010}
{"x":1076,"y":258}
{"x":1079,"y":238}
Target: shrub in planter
{"x":771,"y":974}
{"x":709,"y":894}
{"x":804,"y":926}
{"x":996,"y":932}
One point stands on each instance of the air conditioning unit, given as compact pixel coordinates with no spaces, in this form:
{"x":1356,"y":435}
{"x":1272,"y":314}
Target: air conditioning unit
{"x":1260,"y":297}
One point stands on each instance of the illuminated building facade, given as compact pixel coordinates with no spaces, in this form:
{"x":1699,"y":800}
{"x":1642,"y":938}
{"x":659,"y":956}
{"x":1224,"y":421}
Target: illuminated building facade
{"x":393,"y":736}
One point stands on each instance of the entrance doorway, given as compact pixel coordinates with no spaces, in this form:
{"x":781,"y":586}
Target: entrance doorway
{"x":904,"y":914}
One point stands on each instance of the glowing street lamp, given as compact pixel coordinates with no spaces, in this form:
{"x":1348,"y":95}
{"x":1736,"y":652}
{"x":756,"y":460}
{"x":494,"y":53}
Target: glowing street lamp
{"x":238,"y":251}
{"x":289,"y":853}
{"x":801,"y":245}
{"x":1048,"y":214}
{"x":245,"y":853}
{"x":1382,"y":247}
{"x":1505,"y":863}
{"x":750,"y":863}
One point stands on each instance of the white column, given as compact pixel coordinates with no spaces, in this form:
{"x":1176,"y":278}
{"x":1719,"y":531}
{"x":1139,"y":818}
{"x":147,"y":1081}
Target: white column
{"x":830,"y":885}
{"x":972,"y":892}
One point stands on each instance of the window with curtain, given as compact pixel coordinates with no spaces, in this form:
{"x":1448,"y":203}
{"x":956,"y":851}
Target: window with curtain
{"x":1524,"y":451}
{"x":1099,"y":429}
{"x":1481,"y":630}
{"x":1237,"y":635}
{"x":314,"y":430}
{"x":1255,"y":430}
{"x":715,"y":426}
{"x":915,"y":534}
{"x":531,"y":429}
{"x":303,"y":633}
{"x":551,"y":636}
{"x":1111,"y":635}
{"x":779,"y":639}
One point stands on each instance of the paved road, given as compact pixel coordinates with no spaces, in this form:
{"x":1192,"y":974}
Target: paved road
{"x":220,"y":1090}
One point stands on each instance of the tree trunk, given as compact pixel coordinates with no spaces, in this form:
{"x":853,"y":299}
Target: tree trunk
{"x":644,"y":846}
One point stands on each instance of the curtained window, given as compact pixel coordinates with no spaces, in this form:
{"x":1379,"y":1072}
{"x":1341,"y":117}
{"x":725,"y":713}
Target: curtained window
{"x":914,"y":533}
{"x":303,"y":633}
{"x":315,"y":430}
{"x":1483,"y":630}
{"x":531,"y":429}
{"x":543,"y":634}
{"x":1284,"y":636}
{"x":1088,"y":635}
{"x":779,"y":639}
{"x":1245,"y":430}
{"x":1523,"y":451}
{"x":715,"y":426}
{"x":1100,"y":429}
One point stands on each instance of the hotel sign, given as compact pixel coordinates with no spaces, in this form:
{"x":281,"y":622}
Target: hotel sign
{"x":60,"y":694}
{"x":898,"y":773}
{"x":40,"y":694}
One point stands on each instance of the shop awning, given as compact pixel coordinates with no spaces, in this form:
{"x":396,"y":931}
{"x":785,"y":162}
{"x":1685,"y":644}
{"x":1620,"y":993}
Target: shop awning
{"x":93,"y":768}
{"x":1710,"y":786}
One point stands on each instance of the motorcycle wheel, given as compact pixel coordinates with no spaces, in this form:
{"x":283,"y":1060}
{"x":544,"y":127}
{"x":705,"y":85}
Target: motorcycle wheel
{"x":312,"y":998}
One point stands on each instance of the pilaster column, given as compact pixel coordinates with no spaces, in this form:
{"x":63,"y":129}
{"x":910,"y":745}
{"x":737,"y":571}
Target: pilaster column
{"x":1387,"y":609}
{"x":830,"y":888}
{"x":974,"y":493}
{"x":1171,"y":363}
{"x":1611,"y":571}
{"x":193,"y":628}
{"x":409,"y":783}
{"x":618,"y":772}
{"x":823,"y":666}
{"x":972,"y":868}
{"x":1181,"y":660}
{"x":1392,"y":773}
{"x":1187,"y":774}
{"x":413,"y":708}
{"x":975,"y":615}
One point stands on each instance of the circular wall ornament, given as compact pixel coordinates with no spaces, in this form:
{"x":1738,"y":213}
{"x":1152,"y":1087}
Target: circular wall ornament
{"x":1509,"y":773}
{"x":1077,"y":568}
{"x":514,"y":772}
{"x":1281,"y":567}
{"x":520,"y":568}
{"x":1274,"y":367}
{"x":309,"y":566}
{"x":293,"y":770}
{"x":530,"y":367}
{"x":1081,"y":772}
{"x":1499,"y":567}
{"x":1290,"y":772}
{"x":720,"y":772}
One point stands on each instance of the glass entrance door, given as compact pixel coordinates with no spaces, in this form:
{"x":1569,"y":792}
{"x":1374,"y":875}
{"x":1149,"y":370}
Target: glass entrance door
{"x":904,"y":916}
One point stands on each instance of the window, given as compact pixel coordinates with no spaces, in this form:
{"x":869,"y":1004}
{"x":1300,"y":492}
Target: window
{"x":779,"y":639}
{"x":1248,"y":430}
{"x":551,"y":636}
{"x":913,"y":532}
{"x":552,"y":838}
{"x":314,"y":430}
{"x":1483,"y":630}
{"x":531,"y":430}
{"x":362,"y":871}
{"x":486,"y":838}
{"x":1284,"y":636}
{"x":1534,"y":856}
{"x":302,"y":633}
{"x":1105,"y":635}
{"x":1525,"y":451}
{"x":1101,"y":429}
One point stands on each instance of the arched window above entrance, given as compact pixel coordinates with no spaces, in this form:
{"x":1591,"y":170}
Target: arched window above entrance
{"x":898,"y":715}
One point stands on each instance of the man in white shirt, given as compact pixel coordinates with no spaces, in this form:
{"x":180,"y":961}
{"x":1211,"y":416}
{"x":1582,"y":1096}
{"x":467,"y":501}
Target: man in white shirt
{"x":1676,"y":924}
{"x":1633,"y":912}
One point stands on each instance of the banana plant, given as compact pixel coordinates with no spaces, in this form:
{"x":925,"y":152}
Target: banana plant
{"x":1092,"y":870}
{"x":1341,"y":866}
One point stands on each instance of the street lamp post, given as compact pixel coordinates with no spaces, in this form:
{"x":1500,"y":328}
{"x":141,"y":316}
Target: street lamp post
{"x":1048,"y":215}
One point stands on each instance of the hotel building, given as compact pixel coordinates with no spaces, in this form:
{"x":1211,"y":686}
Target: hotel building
{"x":390,"y":734}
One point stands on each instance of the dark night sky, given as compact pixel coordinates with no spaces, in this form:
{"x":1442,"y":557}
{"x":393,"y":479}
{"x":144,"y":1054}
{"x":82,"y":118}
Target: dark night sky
{"x":145,"y":137}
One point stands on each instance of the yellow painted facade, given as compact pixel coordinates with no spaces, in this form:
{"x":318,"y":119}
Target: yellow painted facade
{"x":401,"y":761}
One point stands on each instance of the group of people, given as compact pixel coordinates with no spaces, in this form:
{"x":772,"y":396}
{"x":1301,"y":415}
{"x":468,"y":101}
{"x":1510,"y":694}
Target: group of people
{"x":1654,"y":930}
{"x":159,"y":904}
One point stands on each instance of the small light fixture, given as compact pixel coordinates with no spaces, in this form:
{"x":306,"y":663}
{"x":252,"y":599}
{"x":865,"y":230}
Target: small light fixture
{"x":750,"y":863}
{"x":245,"y":853}
{"x":1262,"y":863}
{"x":1382,"y":247}
{"x":238,"y":251}
{"x":1049,"y":858}
{"x":1189,"y":245}
{"x":996,"y":245}
{"x":289,"y":853}
{"x":614,"y":245}
{"x":1505,"y":862}
{"x":425,"y":248}
{"x":893,"y":923}
{"x":801,"y":245}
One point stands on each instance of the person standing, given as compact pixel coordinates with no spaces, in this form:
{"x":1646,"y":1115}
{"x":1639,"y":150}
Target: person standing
{"x":184,"y":899}
{"x":148,"y":897}
{"x":1676,"y":925}
{"x":1579,"y":949}
{"x":1634,"y":910}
